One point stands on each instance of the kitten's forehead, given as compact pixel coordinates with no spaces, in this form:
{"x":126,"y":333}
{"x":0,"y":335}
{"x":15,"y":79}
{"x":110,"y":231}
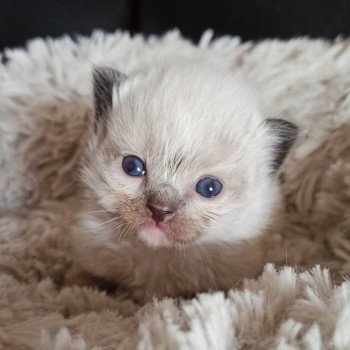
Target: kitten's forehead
{"x":176,"y":137}
{"x":185,"y":114}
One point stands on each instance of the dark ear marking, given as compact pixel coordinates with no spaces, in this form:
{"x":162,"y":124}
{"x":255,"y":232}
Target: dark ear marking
{"x":104,"y":79}
{"x":286,"y":133}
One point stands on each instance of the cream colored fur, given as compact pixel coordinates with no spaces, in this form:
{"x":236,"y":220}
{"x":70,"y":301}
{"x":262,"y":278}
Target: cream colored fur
{"x":45,"y":94}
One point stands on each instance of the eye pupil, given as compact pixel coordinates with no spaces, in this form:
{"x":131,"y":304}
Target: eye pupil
{"x":133,"y":166}
{"x":208,"y":187}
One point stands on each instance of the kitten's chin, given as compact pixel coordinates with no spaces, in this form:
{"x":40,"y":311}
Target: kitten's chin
{"x":159,"y":237}
{"x":154,"y":237}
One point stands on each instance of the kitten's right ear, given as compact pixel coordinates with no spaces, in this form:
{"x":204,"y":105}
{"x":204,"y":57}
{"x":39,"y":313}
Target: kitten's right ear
{"x":105,"y":79}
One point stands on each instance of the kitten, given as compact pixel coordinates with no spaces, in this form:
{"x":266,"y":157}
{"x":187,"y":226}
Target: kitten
{"x":180,"y":179}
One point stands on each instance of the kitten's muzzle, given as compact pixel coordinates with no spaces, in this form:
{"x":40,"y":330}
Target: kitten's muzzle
{"x":160,"y":214}
{"x":162,"y":202}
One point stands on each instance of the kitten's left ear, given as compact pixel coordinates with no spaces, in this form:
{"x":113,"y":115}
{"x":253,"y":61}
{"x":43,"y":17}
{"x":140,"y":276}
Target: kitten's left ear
{"x":286,"y":133}
{"x":105,"y":79}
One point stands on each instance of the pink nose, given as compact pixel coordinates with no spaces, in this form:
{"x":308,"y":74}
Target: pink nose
{"x":159,"y":214}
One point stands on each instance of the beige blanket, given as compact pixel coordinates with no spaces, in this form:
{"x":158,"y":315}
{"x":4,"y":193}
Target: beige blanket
{"x":45,"y":100}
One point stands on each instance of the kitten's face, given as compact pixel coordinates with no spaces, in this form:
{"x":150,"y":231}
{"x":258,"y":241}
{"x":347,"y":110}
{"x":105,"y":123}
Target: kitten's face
{"x":179,"y":155}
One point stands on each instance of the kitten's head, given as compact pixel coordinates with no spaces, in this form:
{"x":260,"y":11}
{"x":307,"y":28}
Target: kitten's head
{"x":180,"y":154}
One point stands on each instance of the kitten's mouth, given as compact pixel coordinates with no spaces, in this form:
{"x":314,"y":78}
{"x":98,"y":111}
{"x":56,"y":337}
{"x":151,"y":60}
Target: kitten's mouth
{"x":163,"y":235}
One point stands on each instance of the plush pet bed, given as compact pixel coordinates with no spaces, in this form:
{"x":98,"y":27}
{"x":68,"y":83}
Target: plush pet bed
{"x":45,"y":103}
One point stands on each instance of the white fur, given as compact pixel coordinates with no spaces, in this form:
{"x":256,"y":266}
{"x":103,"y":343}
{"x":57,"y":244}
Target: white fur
{"x":186,"y":119}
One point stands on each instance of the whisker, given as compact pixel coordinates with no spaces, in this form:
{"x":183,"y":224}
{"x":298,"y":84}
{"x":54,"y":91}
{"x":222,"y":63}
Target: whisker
{"x":198,"y":254}
{"x":221,"y":245}
{"x":106,"y":222}
{"x":76,"y":216}
{"x":206,"y":253}
{"x":114,"y":226}
{"x":81,"y":178}
{"x":124,"y":233}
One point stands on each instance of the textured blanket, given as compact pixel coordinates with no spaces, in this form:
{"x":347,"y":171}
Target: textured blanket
{"x":301,"y":301}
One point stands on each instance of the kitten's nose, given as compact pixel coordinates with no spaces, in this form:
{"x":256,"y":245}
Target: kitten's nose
{"x":158,"y":213}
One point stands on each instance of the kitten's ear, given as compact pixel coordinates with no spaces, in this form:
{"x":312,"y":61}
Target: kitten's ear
{"x":105,"y":79}
{"x":286,"y":133}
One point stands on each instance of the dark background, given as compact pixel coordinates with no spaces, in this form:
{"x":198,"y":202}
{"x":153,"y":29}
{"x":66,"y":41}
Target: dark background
{"x":21,"y":20}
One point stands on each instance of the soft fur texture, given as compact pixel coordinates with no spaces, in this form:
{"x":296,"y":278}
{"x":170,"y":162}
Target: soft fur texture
{"x":46,"y":105}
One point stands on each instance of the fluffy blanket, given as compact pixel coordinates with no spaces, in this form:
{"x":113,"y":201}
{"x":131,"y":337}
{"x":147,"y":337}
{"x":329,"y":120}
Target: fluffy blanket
{"x":302,"y":301}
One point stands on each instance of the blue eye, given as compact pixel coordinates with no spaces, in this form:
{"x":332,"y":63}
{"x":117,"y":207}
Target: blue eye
{"x":208,"y":187}
{"x":133,"y":166}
